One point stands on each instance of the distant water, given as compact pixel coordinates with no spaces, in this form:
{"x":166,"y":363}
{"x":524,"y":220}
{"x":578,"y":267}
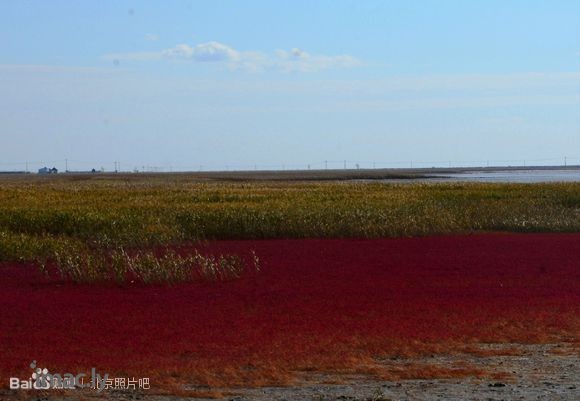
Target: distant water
{"x":519,"y":176}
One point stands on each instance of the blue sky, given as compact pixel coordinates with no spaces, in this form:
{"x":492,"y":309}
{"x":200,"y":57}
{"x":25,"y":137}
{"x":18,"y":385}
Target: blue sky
{"x":281,"y":84}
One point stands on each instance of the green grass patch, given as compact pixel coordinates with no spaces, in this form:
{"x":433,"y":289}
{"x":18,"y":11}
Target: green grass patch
{"x":60,"y":219}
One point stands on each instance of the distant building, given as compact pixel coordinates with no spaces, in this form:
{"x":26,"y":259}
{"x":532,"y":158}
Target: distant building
{"x":46,"y":170}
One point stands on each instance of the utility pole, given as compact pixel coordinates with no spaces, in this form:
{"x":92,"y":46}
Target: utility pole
{"x":345,"y":164}
{"x":66,"y":165}
{"x":565,"y":161}
{"x":27,"y":167}
{"x":326,"y":164}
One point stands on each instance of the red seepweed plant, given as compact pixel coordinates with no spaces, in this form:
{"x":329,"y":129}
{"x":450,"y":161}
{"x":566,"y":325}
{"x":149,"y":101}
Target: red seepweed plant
{"x":339,"y":306}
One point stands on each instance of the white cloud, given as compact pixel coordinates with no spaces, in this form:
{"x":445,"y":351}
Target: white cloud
{"x":178,"y":51}
{"x":151,"y":37}
{"x":294,"y":60}
{"x":204,"y":52}
{"x":214,"y":51}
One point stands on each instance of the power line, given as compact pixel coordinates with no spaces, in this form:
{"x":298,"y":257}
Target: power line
{"x":69,"y":164}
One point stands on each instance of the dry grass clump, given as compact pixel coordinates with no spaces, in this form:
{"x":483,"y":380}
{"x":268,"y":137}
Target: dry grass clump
{"x":149,"y":267}
{"x":80,"y":262}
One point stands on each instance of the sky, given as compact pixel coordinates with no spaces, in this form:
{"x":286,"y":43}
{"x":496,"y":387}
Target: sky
{"x":215,"y":85}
